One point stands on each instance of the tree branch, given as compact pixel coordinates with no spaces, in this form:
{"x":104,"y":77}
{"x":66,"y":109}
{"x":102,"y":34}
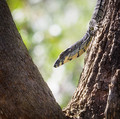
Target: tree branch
{"x":23,"y":92}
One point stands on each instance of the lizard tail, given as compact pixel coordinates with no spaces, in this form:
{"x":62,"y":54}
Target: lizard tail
{"x":74,"y":51}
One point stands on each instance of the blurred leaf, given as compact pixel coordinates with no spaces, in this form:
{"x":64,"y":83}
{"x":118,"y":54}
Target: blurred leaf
{"x":48,"y":27}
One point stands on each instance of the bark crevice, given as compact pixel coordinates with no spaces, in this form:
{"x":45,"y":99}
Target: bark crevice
{"x":101,"y":63}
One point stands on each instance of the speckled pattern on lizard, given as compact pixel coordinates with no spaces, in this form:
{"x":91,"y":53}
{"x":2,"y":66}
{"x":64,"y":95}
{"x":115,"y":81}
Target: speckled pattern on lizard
{"x":81,"y":46}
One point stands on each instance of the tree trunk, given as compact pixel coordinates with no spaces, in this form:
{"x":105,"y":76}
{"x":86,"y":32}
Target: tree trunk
{"x":25,"y":95}
{"x":98,"y":93}
{"x":23,"y":92}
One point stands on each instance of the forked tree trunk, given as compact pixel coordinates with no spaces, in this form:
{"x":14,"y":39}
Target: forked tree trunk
{"x":23,"y":92}
{"x":98,"y":93}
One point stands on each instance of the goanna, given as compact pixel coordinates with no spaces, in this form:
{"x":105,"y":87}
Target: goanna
{"x":81,"y":46}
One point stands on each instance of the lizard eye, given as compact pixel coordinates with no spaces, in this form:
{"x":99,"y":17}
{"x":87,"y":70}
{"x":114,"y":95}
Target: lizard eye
{"x":65,"y":53}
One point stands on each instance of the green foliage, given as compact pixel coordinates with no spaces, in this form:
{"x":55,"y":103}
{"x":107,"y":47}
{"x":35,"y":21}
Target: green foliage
{"x":48,"y":27}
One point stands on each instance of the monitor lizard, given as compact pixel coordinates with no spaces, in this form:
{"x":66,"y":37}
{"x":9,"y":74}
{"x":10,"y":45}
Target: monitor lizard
{"x":81,"y":46}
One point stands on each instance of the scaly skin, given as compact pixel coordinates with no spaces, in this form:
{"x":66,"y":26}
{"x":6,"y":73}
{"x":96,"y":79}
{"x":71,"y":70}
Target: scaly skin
{"x":75,"y":50}
{"x":81,"y":46}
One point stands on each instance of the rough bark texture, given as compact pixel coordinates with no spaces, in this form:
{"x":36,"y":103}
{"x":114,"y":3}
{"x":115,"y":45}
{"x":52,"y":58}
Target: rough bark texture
{"x":99,"y":88}
{"x":113,"y":103}
{"x":23,"y":92}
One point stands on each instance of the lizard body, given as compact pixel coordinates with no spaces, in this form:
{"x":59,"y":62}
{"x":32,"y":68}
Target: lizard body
{"x":75,"y":50}
{"x":81,"y":46}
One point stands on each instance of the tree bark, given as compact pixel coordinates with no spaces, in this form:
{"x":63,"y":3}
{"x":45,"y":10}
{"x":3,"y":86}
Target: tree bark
{"x":25,"y":95}
{"x":98,"y":90}
{"x":23,"y":92}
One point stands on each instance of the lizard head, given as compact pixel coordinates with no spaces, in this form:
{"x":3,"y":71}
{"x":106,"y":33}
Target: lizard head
{"x":63,"y":58}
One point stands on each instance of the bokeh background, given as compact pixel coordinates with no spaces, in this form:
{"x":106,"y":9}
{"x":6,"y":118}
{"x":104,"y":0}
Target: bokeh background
{"x":47,"y":28}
